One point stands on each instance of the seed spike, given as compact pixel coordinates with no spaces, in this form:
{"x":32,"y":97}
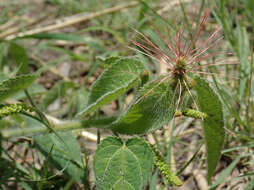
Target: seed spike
{"x":183,"y":56}
{"x":214,"y":64}
{"x":205,"y":57}
{"x":204,"y":50}
{"x":198,"y":32}
{"x":213,"y":74}
{"x":149,"y":42}
{"x":152,"y":57}
{"x":213,"y":35}
{"x":186,"y":40}
{"x":161,"y":36}
{"x":206,"y":42}
{"x":170,"y":44}
{"x":150,"y":50}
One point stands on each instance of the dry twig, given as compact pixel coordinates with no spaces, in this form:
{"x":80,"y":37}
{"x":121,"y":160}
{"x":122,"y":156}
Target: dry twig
{"x":15,"y":29}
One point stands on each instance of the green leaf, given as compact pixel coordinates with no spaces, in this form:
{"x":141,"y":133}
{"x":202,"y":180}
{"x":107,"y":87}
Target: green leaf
{"x":1,"y":149}
{"x":122,"y":165}
{"x":209,"y":103}
{"x":154,"y":181}
{"x":68,"y":159}
{"x":55,"y":36}
{"x":110,"y":60}
{"x":10,"y":86}
{"x":243,"y":53}
{"x":81,"y":98}
{"x":9,"y":169}
{"x":103,"y":28}
{"x":25,"y":186}
{"x":154,"y":107}
{"x":18,"y":53}
{"x":2,"y":56}
{"x":114,"y":81}
{"x":225,"y":174}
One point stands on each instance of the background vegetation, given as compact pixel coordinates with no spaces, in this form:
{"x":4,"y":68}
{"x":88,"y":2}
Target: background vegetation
{"x":65,"y":45}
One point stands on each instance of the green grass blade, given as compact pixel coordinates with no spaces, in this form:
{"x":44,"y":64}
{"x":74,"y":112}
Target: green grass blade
{"x":55,"y":36}
{"x":250,"y":186}
{"x":63,"y":157}
{"x":226,"y":172}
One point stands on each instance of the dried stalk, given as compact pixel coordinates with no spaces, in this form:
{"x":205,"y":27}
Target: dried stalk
{"x":15,"y":29}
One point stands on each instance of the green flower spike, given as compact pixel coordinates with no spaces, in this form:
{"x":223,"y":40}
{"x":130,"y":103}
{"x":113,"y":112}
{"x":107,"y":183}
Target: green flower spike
{"x":14,"y":109}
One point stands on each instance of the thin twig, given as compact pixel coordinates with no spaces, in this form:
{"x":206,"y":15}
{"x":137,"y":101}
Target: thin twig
{"x":15,"y":29}
{"x":9,"y":23}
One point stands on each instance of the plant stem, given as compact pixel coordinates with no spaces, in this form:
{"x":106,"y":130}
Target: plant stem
{"x":77,"y":124}
{"x":58,"y":126}
{"x":98,"y":136}
{"x":39,"y":113}
{"x":41,"y":129}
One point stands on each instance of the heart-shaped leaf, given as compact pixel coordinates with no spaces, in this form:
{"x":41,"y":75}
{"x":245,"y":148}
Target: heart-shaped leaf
{"x":209,"y":103}
{"x":154,"y":107}
{"x":117,"y":79}
{"x":122,"y":165}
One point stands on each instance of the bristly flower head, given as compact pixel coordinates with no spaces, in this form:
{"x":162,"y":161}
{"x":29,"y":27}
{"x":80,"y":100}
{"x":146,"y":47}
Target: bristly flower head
{"x":184,"y":54}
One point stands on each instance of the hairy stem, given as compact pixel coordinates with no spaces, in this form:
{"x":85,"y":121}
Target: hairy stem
{"x":58,"y":126}
{"x":79,"y":124}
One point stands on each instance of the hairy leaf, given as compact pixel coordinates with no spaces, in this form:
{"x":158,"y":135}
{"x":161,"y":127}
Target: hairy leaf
{"x":114,"y":81}
{"x":154,"y":107}
{"x":209,"y":103}
{"x":122,"y":165}
{"x":64,"y":158}
{"x":13,"y":85}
